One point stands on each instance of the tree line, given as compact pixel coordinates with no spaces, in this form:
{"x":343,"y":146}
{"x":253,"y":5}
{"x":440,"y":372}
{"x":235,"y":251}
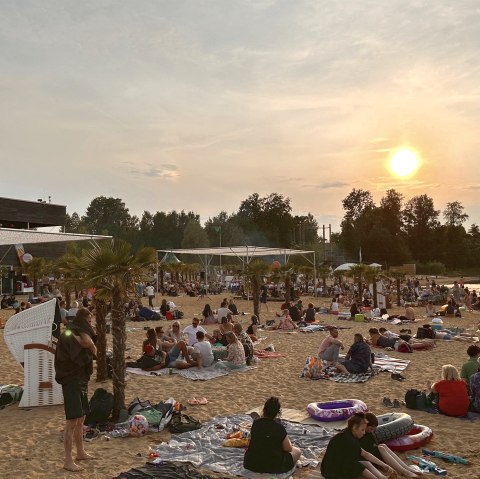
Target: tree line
{"x":391,"y":233}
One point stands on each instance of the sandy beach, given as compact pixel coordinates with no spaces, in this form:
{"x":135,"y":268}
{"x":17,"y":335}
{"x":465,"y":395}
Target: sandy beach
{"x":31,"y":440}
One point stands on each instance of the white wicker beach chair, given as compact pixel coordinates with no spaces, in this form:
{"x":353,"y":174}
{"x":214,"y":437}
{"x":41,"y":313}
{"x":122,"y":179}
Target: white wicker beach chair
{"x":28,"y":335}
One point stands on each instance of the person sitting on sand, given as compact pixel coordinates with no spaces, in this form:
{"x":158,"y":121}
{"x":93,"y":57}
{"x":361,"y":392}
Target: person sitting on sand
{"x":390,"y":334}
{"x":191,"y":331}
{"x":235,"y":353}
{"x":370,"y":444}
{"x":286,"y":323}
{"x":161,"y":359}
{"x":309,"y":316}
{"x":334,"y":306}
{"x":225,"y":326}
{"x":208,"y":316}
{"x":164,"y":307}
{"x":471,"y":366}
{"x":330,"y":347}
{"x":252,"y":330}
{"x":295,"y":313}
{"x":354,"y":310}
{"x":358,"y":359}
{"x":202,"y":351}
{"x":345,"y":457}
{"x":233,"y":307}
{"x":270,"y":449}
{"x":430,"y":310}
{"x":151,"y":339}
{"x":410,"y":313}
{"x":164,"y":342}
{"x":218,"y":338}
{"x":247,"y":344}
{"x":452,"y":392}
{"x":174,"y":333}
{"x":474,"y":388}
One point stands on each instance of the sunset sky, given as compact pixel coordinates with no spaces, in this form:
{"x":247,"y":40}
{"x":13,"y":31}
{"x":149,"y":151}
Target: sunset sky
{"x":197,"y":104}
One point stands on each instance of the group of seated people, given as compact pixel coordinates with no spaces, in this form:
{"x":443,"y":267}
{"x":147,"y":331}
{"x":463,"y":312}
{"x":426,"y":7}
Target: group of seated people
{"x":10,"y":302}
{"x":350,"y":454}
{"x":193,"y":347}
{"x":358,"y":359}
{"x":399,"y":342}
{"x":227,"y":309}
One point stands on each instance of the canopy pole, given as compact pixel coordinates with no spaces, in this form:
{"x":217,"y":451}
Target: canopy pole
{"x":314,"y":277}
{"x":158,"y":278}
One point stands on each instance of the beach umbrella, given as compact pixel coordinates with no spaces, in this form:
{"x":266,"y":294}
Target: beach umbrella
{"x":170,"y":258}
{"x":344,"y":267}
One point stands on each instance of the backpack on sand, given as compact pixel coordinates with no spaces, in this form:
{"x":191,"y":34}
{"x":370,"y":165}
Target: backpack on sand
{"x":101,"y":406}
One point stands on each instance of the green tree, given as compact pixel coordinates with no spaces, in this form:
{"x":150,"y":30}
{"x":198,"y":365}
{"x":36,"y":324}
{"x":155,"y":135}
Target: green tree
{"x":194,"y":236}
{"x":113,"y":270}
{"x":357,"y":272}
{"x":420,"y":222}
{"x":454,"y":215}
{"x":108,"y":216}
{"x":391,"y":211}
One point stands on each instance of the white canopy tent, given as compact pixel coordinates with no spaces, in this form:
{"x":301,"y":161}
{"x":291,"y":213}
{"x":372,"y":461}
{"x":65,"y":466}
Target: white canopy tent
{"x":244,"y":253}
{"x":10,"y":236}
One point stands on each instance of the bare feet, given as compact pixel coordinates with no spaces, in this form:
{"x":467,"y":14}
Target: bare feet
{"x":84,"y":456}
{"x":72,"y":467}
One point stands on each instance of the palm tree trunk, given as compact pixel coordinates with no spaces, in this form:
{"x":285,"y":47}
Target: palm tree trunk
{"x":398,"y":291}
{"x":100,"y":323}
{"x":68,"y":299}
{"x":287,"y":287}
{"x":119,"y":335}
{"x":256,"y":296}
{"x":374,"y":289}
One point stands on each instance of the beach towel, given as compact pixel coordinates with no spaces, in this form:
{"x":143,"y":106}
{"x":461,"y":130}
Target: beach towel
{"x":194,"y":374}
{"x":387,"y":363}
{"x":313,"y":370}
{"x":164,"y":470}
{"x":203,"y":447}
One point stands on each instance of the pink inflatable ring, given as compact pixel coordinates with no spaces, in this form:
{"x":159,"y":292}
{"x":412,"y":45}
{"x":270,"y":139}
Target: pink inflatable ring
{"x":417,"y":437}
{"x":336,"y":410}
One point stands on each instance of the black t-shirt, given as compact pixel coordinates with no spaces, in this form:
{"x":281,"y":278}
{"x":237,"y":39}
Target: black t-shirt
{"x":310,"y":315}
{"x":265,"y":453}
{"x":369,"y":443}
{"x":342,"y":457}
{"x":294,"y":313}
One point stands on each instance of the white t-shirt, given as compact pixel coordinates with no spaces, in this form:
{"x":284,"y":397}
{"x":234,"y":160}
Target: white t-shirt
{"x":204,"y":348}
{"x":150,"y":290}
{"x":334,"y":306}
{"x":222,"y":313}
{"x":192,"y":333}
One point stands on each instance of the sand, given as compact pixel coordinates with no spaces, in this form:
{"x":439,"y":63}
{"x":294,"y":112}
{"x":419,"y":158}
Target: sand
{"x":31,"y":444}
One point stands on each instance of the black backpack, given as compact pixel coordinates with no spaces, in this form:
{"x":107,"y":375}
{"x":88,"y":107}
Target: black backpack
{"x":101,"y":406}
{"x":411,"y":398}
{"x":183,"y":423}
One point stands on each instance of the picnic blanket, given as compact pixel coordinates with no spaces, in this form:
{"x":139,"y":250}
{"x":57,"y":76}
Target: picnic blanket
{"x":194,"y":374}
{"x":163,"y":470}
{"x":203,"y":447}
{"x":313,"y":369}
{"x":311,"y":328}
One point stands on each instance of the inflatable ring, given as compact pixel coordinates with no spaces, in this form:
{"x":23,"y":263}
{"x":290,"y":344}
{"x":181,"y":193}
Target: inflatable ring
{"x":393,"y":425}
{"x":417,"y":437}
{"x":335,"y":410}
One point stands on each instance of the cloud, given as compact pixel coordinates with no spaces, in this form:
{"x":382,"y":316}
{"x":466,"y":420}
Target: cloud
{"x":165,"y":171}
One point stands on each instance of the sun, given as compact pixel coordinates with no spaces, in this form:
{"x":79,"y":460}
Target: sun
{"x":404,"y":162}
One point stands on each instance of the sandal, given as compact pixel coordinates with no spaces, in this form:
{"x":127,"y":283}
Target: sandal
{"x":397,"y":377}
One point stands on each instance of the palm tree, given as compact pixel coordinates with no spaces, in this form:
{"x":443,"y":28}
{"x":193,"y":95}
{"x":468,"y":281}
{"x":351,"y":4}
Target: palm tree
{"x":357,"y":272}
{"x":72,"y":272}
{"x":371,"y":275}
{"x":37,"y":268}
{"x":113,"y":269}
{"x":323,"y":272}
{"x":256,"y":270}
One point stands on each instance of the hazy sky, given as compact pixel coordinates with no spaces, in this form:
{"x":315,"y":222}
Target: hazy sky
{"x":197,"y":104}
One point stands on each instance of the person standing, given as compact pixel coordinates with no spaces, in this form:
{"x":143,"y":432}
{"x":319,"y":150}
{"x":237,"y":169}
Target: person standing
{"x":264,"y":295}
{"x":150,"y":292}
{"x":73,"y":367}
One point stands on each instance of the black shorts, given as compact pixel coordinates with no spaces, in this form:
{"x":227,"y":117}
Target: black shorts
{"x":75,"y":399}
